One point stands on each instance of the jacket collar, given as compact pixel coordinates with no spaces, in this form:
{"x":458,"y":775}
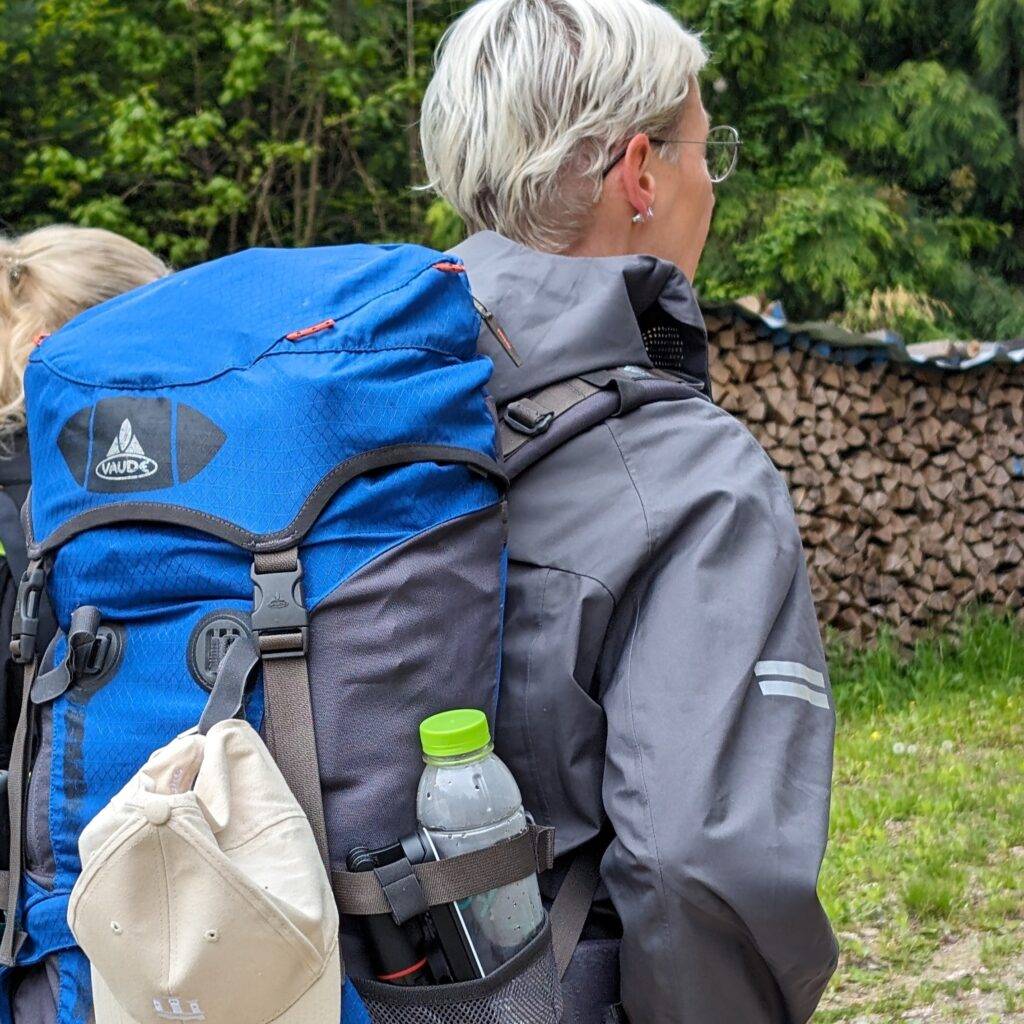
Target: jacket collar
{"x":569,"y":315}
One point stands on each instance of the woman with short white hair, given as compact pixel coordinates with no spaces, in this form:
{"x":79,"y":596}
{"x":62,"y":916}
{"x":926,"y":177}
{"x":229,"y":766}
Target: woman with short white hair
{"x":665,"y":700}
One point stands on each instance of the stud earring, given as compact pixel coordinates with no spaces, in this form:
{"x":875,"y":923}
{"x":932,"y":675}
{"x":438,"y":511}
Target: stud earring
{"x":640,"y":218}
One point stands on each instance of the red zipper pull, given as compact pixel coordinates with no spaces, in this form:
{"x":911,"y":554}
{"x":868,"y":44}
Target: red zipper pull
{"x":324,"y":325}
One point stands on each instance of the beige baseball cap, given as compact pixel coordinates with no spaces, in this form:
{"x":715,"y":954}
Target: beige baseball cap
{"x":202,"y":895}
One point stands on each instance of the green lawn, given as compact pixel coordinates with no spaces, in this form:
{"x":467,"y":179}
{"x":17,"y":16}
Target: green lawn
{"x":924,"y":879}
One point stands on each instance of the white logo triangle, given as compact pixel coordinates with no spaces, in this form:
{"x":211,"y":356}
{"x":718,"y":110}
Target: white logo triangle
{"x":126,"y":443}
{"x":126,"y":458}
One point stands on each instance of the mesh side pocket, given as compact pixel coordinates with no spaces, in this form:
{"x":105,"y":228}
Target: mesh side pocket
{"x":525,"y":991}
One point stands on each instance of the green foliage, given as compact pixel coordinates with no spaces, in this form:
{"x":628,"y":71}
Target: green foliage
{"x":883,"y":154}
{"x":883,"y":139}
{"x":204,"y":126}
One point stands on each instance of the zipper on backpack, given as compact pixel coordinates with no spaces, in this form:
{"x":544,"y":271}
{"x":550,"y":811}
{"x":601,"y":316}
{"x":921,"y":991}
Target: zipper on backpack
{"x":496,"y":329}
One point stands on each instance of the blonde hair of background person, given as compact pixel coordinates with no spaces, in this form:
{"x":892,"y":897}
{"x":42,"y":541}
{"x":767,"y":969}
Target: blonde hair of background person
{"x":529,"y":101}
{"x":47,"y":277}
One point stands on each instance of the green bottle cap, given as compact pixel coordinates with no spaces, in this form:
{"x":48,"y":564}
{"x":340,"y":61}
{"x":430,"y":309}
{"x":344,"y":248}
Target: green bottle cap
{"x":454,"y":733}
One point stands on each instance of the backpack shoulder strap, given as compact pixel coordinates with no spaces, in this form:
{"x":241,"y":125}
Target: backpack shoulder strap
{"x":530,"y":428}
{"x":533,"y":426}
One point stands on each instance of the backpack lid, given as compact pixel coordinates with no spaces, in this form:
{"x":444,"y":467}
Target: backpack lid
{"x":225,"y":315}
{"x":240,"y":396}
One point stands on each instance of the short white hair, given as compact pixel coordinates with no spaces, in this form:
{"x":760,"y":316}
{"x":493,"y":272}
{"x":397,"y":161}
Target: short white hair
{"x":530,"y":99}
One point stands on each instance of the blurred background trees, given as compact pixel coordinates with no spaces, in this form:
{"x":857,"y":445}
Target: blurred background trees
{"x":880,"y":181}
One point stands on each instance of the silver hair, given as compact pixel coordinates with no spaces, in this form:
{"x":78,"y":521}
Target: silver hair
{"x":530,"y":97}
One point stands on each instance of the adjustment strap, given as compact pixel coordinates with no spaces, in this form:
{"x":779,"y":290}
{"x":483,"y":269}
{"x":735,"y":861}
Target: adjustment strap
{"x":12,"y":938}
{"x":402,"y":890}
{"x":527,"y":417}
{"x":233,"y":674}
{"x":280,"y":625}
{"x":579,"y":404}
{"x":571,"y":907}
{"x":454,"y":879}
{"x":86,"y":652}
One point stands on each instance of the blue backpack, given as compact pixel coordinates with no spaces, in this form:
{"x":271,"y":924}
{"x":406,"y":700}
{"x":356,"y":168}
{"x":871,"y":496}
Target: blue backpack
{"x":267,"y":486}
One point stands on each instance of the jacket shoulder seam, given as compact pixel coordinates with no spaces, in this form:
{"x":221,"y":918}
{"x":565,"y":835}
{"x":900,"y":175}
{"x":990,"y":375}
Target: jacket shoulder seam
{"x":636,"y":489}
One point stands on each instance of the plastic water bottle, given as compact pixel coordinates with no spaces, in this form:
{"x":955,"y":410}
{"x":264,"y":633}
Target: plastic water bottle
{"x":468,"y":800}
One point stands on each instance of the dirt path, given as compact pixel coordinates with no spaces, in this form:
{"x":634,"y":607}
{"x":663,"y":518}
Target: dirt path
{"x":955,"y":988}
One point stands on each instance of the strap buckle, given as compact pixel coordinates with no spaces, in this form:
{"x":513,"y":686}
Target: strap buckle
{"x":527,"y":417}
{"x":280,"y":622}
{"x":25,"y":623}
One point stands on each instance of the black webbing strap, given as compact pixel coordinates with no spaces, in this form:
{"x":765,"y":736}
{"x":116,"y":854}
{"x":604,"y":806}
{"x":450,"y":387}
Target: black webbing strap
{"x":280,"y":625}
{"x":572,"y":905}
{"x":454,"y":879}
{"x":12,"y":536}
{"x":12,"y":938}
{"x":529,"y":417}
{"x":233,"y":674}
{"x":532,"y":427}
{"x":83,"y":634}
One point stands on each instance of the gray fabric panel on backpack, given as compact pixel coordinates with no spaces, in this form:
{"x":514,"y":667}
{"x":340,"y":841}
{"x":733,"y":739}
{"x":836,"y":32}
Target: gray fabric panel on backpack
{"x":412,"y":633}
{"x":35,"y":999}
{"x":39,"y":861}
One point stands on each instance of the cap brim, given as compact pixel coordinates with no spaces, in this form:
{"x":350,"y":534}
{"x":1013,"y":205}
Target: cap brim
{"x":319,"y":1004}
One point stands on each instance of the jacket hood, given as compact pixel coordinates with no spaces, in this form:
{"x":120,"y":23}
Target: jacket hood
{"x":570,"y":315}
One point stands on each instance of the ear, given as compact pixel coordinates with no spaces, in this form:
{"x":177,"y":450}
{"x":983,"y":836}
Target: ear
{"x":636,"y":174}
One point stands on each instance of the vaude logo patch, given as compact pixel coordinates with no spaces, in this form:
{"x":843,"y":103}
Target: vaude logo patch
{"x":126,"y":459}
{"x":131,"y":445}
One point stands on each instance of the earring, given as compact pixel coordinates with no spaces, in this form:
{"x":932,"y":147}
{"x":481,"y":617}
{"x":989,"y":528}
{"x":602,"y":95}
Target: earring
{"x":640,"y":218}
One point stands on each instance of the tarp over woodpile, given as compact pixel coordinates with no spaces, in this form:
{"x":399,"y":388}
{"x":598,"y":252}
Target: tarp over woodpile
{"x":838,"y":345}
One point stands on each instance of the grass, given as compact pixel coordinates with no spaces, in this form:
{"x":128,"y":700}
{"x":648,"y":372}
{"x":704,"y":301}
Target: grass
{"x":924,"y":879}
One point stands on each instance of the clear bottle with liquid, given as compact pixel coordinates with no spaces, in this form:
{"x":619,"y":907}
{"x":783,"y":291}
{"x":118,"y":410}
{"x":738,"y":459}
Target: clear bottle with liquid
{"x":468,"y":800}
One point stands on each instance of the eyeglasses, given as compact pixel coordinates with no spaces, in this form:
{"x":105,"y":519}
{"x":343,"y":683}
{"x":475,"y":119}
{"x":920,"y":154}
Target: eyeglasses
{"x":721,"y":153}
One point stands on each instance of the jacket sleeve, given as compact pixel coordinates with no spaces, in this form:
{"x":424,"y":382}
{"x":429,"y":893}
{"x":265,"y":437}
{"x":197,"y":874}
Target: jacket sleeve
{"x":719,"y":750}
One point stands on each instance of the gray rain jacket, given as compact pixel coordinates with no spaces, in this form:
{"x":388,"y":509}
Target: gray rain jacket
{"x":664,"y":680}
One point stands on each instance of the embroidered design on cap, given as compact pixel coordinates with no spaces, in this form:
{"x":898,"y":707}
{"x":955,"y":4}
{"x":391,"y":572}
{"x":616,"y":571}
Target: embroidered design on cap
{"x":175,"y":1009}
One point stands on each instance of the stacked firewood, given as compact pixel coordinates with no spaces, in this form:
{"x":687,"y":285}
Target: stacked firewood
{"x":908,"y":482}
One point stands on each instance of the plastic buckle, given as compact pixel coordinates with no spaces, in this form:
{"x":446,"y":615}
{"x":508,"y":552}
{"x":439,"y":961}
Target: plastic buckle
{"x":25,"y":624}
{"x":280,"y":622}
{"x":526,"y":417}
